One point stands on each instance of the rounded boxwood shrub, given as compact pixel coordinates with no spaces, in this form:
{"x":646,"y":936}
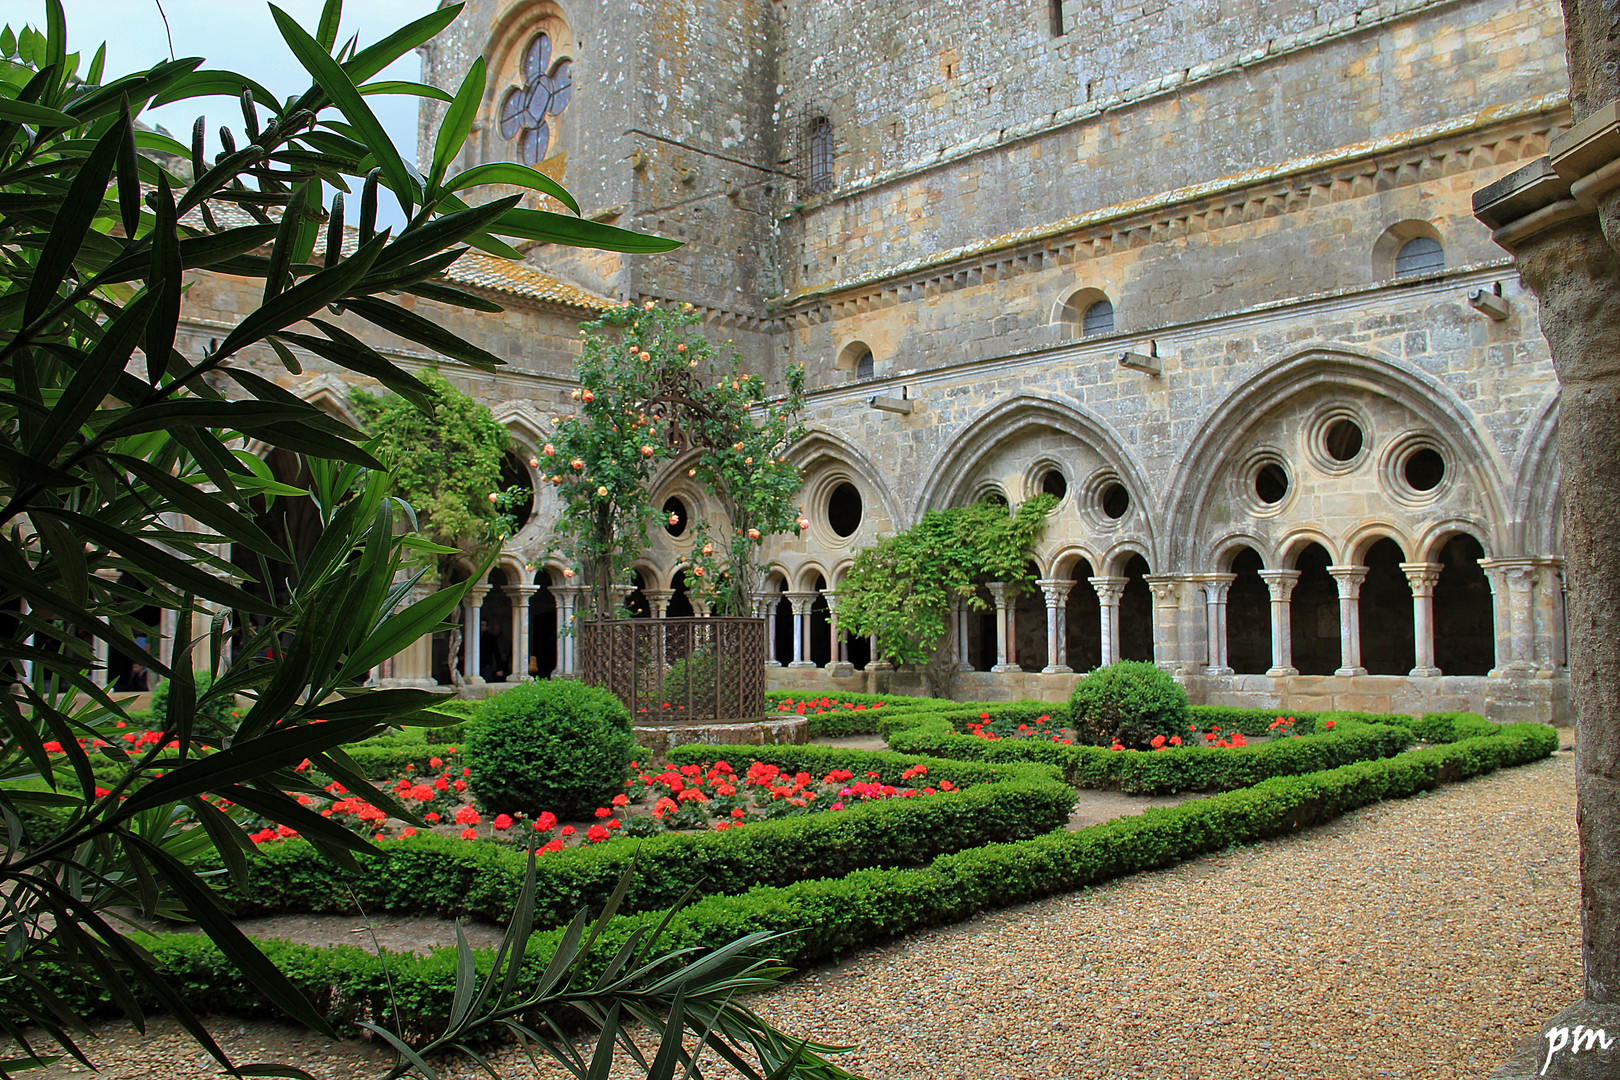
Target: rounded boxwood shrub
{"x":556,"y":745}
{"x":212,"y":716}
{"x":1131,"y":701}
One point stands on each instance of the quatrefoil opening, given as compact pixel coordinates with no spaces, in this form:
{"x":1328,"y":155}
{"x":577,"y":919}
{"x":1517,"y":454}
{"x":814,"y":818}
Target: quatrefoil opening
{"x":545,"y":92}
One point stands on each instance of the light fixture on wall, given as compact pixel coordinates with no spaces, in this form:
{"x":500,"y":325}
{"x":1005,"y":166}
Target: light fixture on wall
{"x":1148,"y":364}
{"x":901,"y":404}
{"x":1491,"y":303}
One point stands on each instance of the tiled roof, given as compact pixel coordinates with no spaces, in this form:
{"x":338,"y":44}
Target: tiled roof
{"x":474,"y":269}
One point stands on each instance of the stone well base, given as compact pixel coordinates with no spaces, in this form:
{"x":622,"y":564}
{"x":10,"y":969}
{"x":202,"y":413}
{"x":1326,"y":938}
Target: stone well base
{"x":772,"y":731}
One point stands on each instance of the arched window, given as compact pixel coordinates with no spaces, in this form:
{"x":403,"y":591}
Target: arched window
{"x":821,"y":157}
{"x":863,"y":366}
{"x":1098,"y":319}
{"x":1419,"y":255}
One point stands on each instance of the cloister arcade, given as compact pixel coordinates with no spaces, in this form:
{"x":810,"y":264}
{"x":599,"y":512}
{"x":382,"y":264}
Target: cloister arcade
{"x":1338,"y":518}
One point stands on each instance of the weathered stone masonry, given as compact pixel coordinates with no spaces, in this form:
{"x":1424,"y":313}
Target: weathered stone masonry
{"x":1323,"y":476}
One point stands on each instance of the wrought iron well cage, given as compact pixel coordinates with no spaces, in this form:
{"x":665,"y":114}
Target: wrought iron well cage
{"x":676,"y":671}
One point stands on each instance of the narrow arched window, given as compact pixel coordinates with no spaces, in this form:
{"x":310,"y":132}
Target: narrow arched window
{"x":863,"y":366}
{"x":1419,"y":255}
{"x":821,"y":157}
{"x":1098,"y":319}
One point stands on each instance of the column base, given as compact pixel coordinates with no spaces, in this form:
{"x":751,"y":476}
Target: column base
{"x":1001,"y":669}
{"x":1218,"y":671}
{"x":841,"y":670}
{"x":410,"y":684}
{"x":964,"y":667}
{"x":1281,"y":672}
{"x":514,"y":678}
{"x":1057,"y":669}
{"x":878,"y":665}
{"x":1424,"y":673}
{"x":802,"y":664}
{"x":1350,"y":671}
{"x":773,"y":663}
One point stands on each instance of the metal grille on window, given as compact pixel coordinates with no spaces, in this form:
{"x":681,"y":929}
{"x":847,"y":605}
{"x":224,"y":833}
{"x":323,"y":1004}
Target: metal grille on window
{"x":863,"y":366}
{"x":1419,"y":255}
{"x":821,"y":157}
{"x":1098,"y":319}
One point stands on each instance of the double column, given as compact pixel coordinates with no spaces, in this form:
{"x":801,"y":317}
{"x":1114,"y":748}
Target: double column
{"x":802,"y":603}
{"x":519,"y":596}
{"x":472,"y":609}
{"x":1006,"y":627}
{"x":1349,"y":579}
{"x":1056,"y":591}
{"x":1216,"y":587}
{"x":1280,"y":583}
{"x":1422,"y":577}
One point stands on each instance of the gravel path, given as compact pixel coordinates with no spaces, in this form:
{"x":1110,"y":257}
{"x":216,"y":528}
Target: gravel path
{"x":1419,"y":938}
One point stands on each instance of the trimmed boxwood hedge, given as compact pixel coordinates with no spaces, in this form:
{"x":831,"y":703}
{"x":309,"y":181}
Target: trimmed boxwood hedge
{"x":436,"y":875}
{"x":828,"y":916}
{"x":1165,"y":772}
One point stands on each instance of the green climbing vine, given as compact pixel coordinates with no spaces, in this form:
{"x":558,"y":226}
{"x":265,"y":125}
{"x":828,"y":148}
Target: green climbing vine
{"x":901,"y":588}
{"x":446,"y":465}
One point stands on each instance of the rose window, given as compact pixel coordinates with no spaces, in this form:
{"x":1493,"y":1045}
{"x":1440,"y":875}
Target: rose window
{"x":545,"y":92}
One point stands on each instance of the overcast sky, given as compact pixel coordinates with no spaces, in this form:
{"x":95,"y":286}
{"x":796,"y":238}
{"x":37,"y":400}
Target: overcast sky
{"x":235,"y":35}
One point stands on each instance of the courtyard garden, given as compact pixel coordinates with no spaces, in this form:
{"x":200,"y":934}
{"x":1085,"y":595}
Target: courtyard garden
{"x":615,"y":895}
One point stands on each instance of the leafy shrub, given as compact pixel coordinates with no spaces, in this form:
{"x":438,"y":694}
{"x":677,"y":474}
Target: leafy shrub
{"x":1130,"y":701}
{"x":556,"y":745}
{"x":213,"y":716}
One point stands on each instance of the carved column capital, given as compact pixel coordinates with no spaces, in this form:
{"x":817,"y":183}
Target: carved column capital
{"x":1421,"y":576}
{"x":1349,"y":579}
{"x":1215,"y":586}
{"x":1280,"y":582}
{"x":1109,"y":589}
{"x":1056,"y":591}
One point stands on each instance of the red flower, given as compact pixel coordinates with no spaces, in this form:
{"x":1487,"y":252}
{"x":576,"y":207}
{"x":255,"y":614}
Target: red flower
{"x":566,"y":830}
{"x":621,"y":800}
{"x":432,"y":818}
{"x":739,"y":813}
{"x":467,"y":816}
{"x":596,"y":834}
{"x":502,"y":821}
{"x":435,"y":762}
{"x":1158,"y":741}
{"x":408,"y":831}
{"x":545,"y":822}
{"x":602,"y":812}
{"x":1329,"y":725}
{"x":469,"y":834}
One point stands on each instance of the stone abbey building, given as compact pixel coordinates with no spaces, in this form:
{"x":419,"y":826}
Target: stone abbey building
{"x":1206,"y":272}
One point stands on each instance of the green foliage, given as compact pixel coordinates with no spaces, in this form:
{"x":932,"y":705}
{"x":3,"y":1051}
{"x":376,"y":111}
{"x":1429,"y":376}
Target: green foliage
{"x":213,"y":717}
{"x":430,"y":874}
{"x":652,"y":389}
{"x":445,"y":463}
{"x":902,"y":587}
{"x":554,"y":745}
{"x":1131,"y":701}
{"x":124,"y":476}
{"x":828,"y":916}
{"x":1354,"y":737}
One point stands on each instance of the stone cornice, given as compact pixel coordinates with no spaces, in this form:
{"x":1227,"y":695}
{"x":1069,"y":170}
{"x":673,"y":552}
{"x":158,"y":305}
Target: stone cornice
{"x":1104,"y":349}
